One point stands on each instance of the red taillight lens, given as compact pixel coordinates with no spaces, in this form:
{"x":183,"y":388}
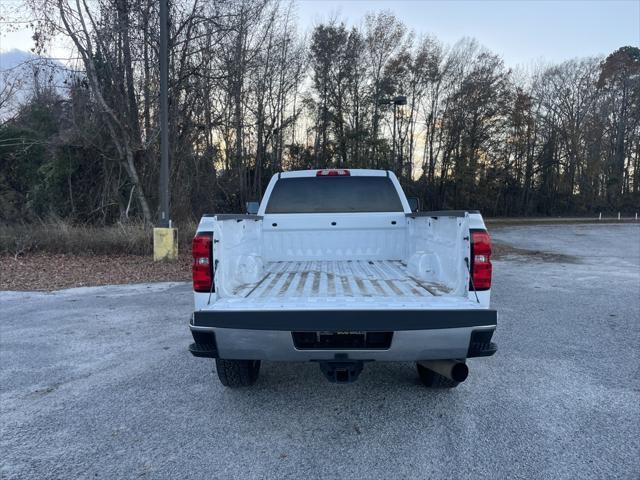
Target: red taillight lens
{"x":481,"y":259}
{"x":333,"y":173}
{"x":202,"y":268}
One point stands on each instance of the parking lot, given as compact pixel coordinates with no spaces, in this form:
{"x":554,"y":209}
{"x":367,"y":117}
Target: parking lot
{"x":97,"y":382}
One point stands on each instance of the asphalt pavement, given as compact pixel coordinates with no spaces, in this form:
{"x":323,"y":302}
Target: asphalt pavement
{"x":98,"y":383}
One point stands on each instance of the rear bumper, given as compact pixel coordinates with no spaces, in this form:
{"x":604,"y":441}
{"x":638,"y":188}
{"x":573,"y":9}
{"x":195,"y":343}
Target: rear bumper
{"x":417,"y":334}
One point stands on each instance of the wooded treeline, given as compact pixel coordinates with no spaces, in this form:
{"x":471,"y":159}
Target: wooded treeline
{"x":250,"y":96}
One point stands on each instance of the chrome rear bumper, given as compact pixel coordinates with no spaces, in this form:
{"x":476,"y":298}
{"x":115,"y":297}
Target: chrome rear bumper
{"x":417,"y":335}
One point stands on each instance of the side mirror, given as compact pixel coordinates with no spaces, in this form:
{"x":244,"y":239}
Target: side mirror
{"x":414,"y":203}
{"x":252,"y":207}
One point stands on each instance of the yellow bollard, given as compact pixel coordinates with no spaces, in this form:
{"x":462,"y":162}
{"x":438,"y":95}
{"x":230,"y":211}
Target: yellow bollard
{"x":165,"y":243}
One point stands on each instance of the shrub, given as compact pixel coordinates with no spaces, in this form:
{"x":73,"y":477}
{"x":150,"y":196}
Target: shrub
{"x":57,"y":236}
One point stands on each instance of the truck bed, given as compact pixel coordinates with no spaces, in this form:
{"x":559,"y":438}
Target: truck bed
{"x":349,"y":278}
{"x":340,"y":285}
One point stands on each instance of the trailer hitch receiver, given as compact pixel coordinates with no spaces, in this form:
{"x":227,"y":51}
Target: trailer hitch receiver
{"x":342,"y":372}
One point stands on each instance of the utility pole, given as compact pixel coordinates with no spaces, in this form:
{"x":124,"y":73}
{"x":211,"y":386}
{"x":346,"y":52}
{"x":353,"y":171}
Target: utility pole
{"x":164,"y":115}
{"x":399,"y":100}
{"x":165,"y":238}
{"x":393,"y":149}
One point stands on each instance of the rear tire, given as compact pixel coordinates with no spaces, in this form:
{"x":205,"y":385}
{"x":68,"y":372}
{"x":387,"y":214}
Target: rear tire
{"x":431,"y":379}
{"x":237,"y":373}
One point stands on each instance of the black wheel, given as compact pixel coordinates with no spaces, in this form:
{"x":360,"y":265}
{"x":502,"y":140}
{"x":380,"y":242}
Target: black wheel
{"x":431,"y":379}
{"x":237,"y":373}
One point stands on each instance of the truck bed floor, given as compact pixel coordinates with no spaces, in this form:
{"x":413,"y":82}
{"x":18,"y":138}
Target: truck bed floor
{"x":349,"y":278}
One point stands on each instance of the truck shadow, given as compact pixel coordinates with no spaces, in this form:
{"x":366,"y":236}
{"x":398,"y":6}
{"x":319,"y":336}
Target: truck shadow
{"x":297,"y":393}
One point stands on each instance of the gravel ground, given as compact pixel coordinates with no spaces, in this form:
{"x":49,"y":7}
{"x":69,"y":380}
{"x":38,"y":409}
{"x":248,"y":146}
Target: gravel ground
{"x":96,"y":382}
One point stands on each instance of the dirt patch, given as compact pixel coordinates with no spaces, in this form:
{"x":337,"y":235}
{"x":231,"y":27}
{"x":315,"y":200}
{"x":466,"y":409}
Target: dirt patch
{"x":504,"y":251}
{"x":46,"y":272}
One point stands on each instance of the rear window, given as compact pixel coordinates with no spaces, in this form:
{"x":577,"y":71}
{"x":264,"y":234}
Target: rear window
{"x":334,"y":195}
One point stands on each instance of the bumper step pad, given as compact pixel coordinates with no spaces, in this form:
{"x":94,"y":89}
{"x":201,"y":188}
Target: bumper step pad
{"x":203,"y":350}
{"x":482,"y":349}
{"x":481,"y":345}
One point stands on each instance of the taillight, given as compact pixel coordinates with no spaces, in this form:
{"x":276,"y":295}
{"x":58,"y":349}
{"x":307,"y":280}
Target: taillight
{"x":202,"y":268}
{"x":480,"y":259}
{"x":333,"y":173}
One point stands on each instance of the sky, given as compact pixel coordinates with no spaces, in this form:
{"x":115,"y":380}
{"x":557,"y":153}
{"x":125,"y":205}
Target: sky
{"x":523,"y":32}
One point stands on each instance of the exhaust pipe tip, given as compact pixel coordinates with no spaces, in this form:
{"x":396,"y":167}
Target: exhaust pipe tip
{"x":459,"y":372}
{"x":452,"y":369}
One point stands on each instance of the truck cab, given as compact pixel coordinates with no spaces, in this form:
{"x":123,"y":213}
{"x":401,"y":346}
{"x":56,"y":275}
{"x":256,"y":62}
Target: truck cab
{"x":336,"y":268}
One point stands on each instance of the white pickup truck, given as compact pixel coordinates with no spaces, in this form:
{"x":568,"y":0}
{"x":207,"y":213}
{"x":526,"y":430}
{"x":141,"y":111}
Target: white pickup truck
{"x":335,"y":267}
